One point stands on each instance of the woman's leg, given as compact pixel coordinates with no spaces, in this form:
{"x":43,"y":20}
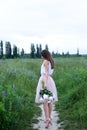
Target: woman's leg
{"x":46,"y":110}
{"x":50,"y":109}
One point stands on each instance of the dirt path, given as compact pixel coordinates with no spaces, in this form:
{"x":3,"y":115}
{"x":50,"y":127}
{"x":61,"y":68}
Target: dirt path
{"x":41,"y":123}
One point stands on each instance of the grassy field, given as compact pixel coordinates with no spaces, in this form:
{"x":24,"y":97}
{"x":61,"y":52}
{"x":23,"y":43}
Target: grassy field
{"x":18,"y":81}
{"x":71,"y":80}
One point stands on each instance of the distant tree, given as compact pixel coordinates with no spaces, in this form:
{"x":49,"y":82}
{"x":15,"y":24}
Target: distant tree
{"x":53,"y":54}
{"x":46,"y":47}
{"x":15,"y":51}
{"x":77,"y":51}
{"x":8,"y":50}
{"x":40,"y":49}
{"x":1,"y":49}
{"x":22,"y":52}
{"x":63,"y":54}
{"x":32,"y":51}
{"x":67,"y":54}
{"x":37,"y":51}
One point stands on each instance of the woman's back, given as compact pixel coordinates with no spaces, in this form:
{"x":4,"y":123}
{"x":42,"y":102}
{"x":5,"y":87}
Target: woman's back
{"x":50,"y":70}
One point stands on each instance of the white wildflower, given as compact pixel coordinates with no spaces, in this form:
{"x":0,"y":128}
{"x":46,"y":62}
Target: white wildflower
{"x":45,"y":96}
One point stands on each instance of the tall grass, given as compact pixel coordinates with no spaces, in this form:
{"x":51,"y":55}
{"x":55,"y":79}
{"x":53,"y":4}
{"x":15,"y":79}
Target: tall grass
{"x":18,"y":81}
{"x":71,"y":80}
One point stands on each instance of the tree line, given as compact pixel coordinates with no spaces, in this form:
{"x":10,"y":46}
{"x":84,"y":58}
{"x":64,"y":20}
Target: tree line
{"x":34,"y":51}
{"x":14,"y":52}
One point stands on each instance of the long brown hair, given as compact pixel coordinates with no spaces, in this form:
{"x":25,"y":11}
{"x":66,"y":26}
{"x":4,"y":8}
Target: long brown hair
{"x":46,"y":54}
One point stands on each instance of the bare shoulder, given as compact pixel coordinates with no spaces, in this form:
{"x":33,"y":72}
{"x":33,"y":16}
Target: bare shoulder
{"x":46,"y":62}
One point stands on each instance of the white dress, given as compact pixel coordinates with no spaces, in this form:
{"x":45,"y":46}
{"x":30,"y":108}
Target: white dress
{"x":50,"y":84}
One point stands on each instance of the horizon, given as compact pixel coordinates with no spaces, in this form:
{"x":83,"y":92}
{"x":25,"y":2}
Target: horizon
{"x":43,"y":47}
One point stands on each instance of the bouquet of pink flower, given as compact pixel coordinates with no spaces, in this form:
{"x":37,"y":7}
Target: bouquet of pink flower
{"x":45,"y":94}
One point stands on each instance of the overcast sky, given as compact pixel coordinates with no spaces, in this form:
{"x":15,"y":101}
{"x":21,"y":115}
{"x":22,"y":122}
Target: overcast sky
{"x":62,"y":24}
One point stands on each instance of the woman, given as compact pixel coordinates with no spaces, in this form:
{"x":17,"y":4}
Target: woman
{"x":47,"y":68}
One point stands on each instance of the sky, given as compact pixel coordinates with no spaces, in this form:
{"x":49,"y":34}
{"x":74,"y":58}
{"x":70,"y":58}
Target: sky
{"x":61,"y":24}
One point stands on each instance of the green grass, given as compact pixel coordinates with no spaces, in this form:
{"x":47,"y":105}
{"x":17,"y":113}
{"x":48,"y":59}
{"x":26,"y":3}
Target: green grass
{"x":19,"y":78}
{"x":71,"y":80}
